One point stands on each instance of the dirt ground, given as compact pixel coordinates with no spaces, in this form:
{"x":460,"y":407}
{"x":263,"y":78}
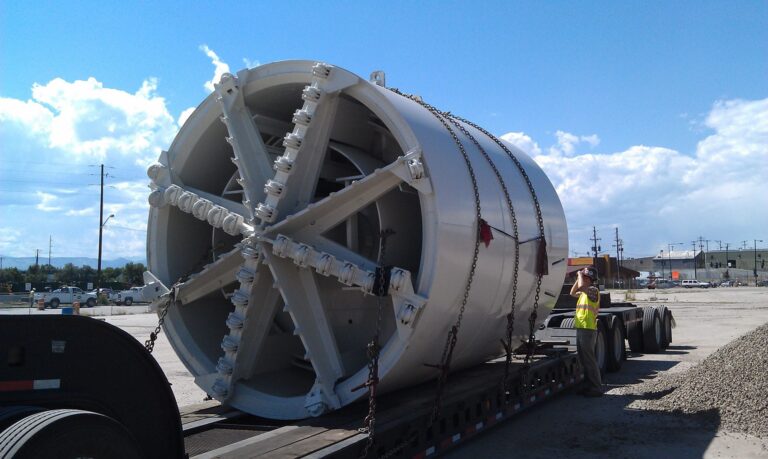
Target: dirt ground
{"x":571,"y":426}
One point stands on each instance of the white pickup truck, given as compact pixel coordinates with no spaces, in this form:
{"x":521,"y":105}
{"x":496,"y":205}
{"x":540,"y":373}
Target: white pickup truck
{"x":128,"y":297}
{"x":66,"y":295}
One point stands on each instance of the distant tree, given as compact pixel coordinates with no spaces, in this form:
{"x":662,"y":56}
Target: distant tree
{"x":68,"y":274}
{"x":133,"y":273}
{"x":11,"y":275}
{"x":111,"y":274}
{"x":87,"y":274}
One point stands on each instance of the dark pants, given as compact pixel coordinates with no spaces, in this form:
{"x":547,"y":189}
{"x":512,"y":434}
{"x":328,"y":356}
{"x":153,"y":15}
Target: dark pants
{"x":586,"y":341}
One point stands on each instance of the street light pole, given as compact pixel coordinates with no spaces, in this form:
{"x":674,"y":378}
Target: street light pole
{"x":755,"y":252}
{"x":98,"y":272}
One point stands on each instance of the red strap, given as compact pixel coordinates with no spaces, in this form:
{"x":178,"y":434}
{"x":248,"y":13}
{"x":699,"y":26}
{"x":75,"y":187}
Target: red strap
{"x":486,"y":235}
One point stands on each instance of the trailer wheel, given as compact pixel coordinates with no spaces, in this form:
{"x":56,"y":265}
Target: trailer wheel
{"x":601,"y":348}
{"x":11,"y":414}
{"x":616,"y":347}
{"x":54,"y":303}
{"x":635,"y":336}
{"x":67,"y":433}
{"x":652,"y":331}
{"x":90,"y":302}
{"x":666,"y":325}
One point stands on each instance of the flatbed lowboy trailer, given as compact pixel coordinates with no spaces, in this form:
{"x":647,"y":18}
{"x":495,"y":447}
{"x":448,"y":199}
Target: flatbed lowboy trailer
{"x":78,"y":387}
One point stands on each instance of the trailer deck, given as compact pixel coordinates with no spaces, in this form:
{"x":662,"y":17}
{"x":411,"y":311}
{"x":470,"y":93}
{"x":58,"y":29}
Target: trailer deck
{"x":473,"y":402}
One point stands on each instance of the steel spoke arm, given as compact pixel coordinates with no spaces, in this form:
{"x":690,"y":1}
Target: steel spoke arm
{"x":300,"y":184}
{"x":232,"y":206}
{"x":256,"y":324}
{"x":251,"y":156}
{"x":323,"y":215}
{"x":303,"y":302}
{"x":211,"y":210}
{"x":213,"y":277}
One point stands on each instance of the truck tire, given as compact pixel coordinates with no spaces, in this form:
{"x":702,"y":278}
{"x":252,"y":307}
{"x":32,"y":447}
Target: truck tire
{"x":617,"y":349}
{"x":128,"y":301}
{"x":665,"y":315}
{"x":90,"y":302}
{"x":11,"y":414}
{"x":635,"y":336}
{"x":54,"y":303}
{"x":65,"y":434}
{"x":652,"y":330}
{"x":601,"y":348}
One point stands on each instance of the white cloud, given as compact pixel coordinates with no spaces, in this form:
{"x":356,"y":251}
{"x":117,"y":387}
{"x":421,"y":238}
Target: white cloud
{"x":87,"y":122}
{"x":251,"y":64}
{"x":523,"y":142}
{"x":47,"y":202}
{"x":658,"y":194}
{"x":220,"y":67}
{"x":81,"y":212}
{"x":64,"y":127}
{"x":184,"y":116}
{"x":9,"y":239}
{"x":567,"y":142}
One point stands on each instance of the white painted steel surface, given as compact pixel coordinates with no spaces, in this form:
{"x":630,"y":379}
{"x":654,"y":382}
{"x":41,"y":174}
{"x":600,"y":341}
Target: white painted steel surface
{"x":266,"y":214}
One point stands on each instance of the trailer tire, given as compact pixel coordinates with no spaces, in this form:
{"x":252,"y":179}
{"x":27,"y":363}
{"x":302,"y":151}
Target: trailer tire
{"x":665,"y":315}
{"x":67,"y":433}
{"x":652,"y":331}
{"x":635,"y":336}
{"x":601,"y":348}
{"x":617,"y":349}
{"x":11,"y":414}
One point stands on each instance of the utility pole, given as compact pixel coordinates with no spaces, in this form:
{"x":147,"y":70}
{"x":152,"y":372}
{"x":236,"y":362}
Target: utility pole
{"x":701,"y":247}
{"x":671,"y":246}
{"x":101,"y":226}
{"x":695,"y":273}
{"x":755,"y":252}
{"x":37,"y":257}
{"x":50,"y":246}
{"x":595,"y":248}
{"x":618,"y":255}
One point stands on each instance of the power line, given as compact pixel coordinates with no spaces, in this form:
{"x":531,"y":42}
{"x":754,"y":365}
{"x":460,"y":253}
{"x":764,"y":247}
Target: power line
{"x":127,"y":228}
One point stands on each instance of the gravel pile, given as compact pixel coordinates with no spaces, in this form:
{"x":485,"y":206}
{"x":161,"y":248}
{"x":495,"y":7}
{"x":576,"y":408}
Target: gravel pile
{"x":733,"y":380}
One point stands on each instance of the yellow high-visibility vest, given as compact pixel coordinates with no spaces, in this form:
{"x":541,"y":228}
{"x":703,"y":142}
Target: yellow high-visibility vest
{"x":586,"y":312}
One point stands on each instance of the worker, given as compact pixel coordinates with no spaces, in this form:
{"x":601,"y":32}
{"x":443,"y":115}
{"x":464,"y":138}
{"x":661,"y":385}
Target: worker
{"x":587,"y":306}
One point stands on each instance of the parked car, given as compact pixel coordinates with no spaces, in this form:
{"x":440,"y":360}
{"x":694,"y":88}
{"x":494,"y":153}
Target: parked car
{"x":762,"y":283}
{"x":661,"y":283}
{"x":693,"y":283}
{"x":128,"y":297}
{"x":66,"y":295}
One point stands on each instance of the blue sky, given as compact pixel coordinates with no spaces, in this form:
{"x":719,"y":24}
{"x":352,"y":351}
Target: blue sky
{"x":666,"y":102}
